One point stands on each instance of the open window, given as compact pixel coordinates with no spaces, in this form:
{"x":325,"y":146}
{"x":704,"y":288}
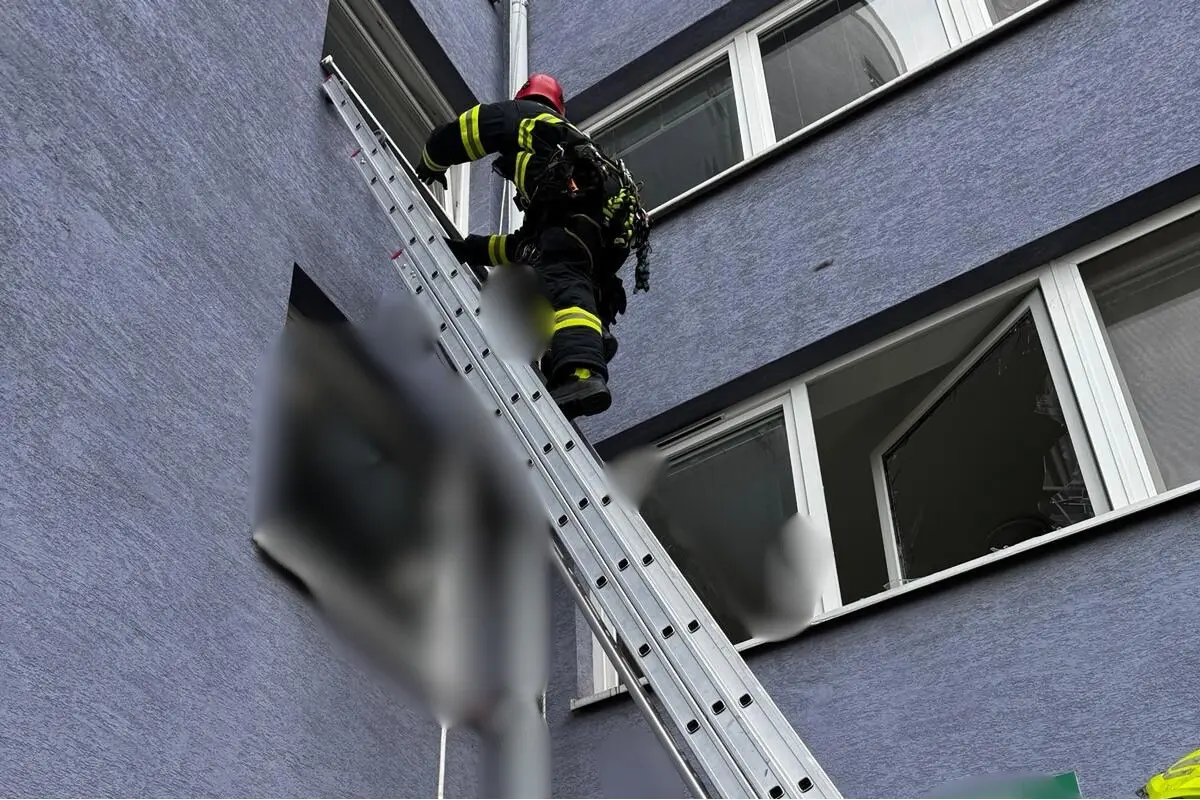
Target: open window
{"x":995,"y":454}
{"x":376,"y":60}
{"x":958,"y":439}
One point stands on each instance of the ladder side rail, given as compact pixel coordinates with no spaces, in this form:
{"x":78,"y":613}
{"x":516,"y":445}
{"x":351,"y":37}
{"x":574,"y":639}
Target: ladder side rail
{"x":432,"y":207}
{"x":576,"y":473}
{"x":717,"y":766}
{"x":636,"y":692}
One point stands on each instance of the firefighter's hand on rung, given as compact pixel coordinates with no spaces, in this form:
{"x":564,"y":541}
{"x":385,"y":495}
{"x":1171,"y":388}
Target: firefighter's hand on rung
{"x":428,"y":177}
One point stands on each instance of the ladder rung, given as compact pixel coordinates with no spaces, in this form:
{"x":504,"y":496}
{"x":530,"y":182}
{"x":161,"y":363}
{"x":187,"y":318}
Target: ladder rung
{"x":739,"y":739}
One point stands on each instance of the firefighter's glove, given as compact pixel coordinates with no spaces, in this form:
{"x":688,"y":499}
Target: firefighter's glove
{"x":429,"y":177}
{"x":459,"y":248}
{"x":612,"y":299}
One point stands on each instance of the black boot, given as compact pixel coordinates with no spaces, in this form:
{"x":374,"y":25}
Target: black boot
{"x":582,"y":393}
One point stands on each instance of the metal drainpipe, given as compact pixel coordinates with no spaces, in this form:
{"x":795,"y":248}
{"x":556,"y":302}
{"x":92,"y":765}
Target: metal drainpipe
{"x":518,"y":73}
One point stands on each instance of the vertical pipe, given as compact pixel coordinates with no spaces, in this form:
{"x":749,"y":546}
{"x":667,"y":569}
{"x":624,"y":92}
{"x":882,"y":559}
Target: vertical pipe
{"x":518,"y":73}
{"x":441,"y":772}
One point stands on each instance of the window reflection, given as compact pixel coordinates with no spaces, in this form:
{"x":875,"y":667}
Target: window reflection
{"x":681,"y":139}
{"x":835,"y":54}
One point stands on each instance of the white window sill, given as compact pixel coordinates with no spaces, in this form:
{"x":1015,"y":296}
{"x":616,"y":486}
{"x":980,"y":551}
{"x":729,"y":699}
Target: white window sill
{"x":931,"y":580}
{"x":836,"y":117}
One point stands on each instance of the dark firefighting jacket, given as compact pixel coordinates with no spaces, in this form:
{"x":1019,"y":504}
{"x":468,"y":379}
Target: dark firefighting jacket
{"x":526,"y":136}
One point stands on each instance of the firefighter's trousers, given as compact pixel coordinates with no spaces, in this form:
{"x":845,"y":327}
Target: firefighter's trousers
{"x":564,"y":270}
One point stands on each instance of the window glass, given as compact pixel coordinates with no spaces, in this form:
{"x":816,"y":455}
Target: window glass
{"x":1003,"y":9}
{"x":990,"y":464}
{"x":1148,"y":298}
{"x":842,"y":50}
{"x":720,"y":505}
{"x":682,"y":138}
{"x":955,"y":439}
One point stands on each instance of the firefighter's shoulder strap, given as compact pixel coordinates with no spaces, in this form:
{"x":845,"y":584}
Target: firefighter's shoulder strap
{"x":584,"y":173}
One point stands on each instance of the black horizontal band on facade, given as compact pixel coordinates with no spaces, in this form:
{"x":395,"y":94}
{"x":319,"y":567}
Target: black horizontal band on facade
{"x":1146,"y":203}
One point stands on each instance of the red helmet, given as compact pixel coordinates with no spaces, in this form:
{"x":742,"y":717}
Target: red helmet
{"x":543,"y":87}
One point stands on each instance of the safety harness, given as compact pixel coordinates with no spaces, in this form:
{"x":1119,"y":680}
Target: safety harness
{"x":581,"y":179}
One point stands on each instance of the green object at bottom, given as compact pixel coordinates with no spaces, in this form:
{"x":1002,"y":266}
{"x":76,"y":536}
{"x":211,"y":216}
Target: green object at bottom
{"x":1014,"y":787}
{"x":1047,"y":788}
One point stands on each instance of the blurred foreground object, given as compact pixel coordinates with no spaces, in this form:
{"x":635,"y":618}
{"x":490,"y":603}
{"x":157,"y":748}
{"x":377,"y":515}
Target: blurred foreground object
{"x":1012,"y":785}
{"x":1180,"y":780}
{"x":384,"y":492}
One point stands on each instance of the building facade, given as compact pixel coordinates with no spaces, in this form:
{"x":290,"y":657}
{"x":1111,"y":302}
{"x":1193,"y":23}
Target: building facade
{"x":871,"y":217}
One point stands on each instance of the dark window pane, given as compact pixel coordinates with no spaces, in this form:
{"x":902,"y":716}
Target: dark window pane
{"x":838,"y":52}
{"x":720,"y":506}
{"x":1148,"y":296}
{"x":681,"y":139}
{"x":990,"y":465}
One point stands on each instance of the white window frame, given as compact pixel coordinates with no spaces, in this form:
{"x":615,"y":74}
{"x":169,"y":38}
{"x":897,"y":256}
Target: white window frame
{"x":742,"y":96}
{"x":964,"y":20}
{"x":455,"y":199}
{"x":792,"y":402}
{"x":1034,"y":305}
{"x":1084,"y":371}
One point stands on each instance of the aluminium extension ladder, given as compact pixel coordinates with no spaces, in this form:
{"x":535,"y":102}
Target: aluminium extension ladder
{"x":739,"y":742}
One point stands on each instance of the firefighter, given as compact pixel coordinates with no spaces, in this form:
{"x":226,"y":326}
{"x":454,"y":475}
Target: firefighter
{"x":583,"y":218}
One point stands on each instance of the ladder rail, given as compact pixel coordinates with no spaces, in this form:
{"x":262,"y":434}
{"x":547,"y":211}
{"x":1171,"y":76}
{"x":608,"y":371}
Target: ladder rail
{"x":466,"y":363}
{"x":636,"y":692}
{"x":739,"y":734}
{"x":443,"y":219}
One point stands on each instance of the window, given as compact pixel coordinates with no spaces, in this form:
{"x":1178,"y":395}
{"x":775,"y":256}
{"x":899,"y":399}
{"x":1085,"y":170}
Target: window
{"x":777,"y":76}
{"x":830,"y":57}
{"x":1147,"y":297}
{"x":681,"y":138}
{"x":1000,"y":10}
{"x":1014,"y":418}
{"x":378,"y":63}
{"x":736,"y":488}
{"x":960,"y":442}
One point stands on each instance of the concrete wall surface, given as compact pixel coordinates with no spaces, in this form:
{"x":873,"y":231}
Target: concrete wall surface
{"x":164,"y":166}
{"x":580,"y":43}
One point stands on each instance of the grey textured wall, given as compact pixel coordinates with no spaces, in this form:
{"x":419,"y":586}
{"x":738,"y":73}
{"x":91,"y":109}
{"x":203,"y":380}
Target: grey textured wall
{"x":1076,"y":657}
{"x":580,"y":43}
{"x":472,"y":32}
{"x":164,"y":165}
{"x":1076,"y":111}
{"x":607,"y":754}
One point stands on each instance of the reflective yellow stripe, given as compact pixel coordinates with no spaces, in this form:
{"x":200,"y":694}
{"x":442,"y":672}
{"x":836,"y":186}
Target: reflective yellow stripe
{"x":525,"y":130}
{"x":429,"y":162}
{"x":497,"y":251}
{"x":468,"y":128}
{"x":522,"y":165}
{"x":525,"y":134}
{"x":475,"y":132}
{"x":576,"y":317}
